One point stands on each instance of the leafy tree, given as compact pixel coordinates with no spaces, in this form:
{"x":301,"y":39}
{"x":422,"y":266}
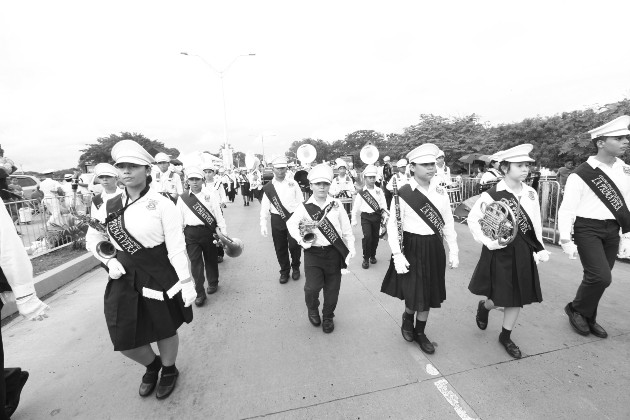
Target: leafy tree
{"x":102,"y":149}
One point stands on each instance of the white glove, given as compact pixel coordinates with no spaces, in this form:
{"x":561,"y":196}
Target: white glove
{"x":570,"y":248}
{"x":116,"y":269}
{"x":493,"y":245}
{"x":189,"y":294}
{"x":542,"y":256}
{"x":263,"y":231}
{"x":306,"y":245}
{"x":453,"y":260}
{"x":624,"y":248}
{"x":350,"y":256}
{"x":30,"y":307}
{"x":401,"y":264}
{"x":354,"y":222}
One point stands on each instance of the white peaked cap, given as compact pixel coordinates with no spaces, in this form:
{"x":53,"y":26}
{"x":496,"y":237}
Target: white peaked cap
{"x":518,"y":153}
{"x":497,"y":156}
{"x":320,"y":173}
{"x":162,"y":157}
{"x":340,"y":162}
{"x":370,"y":170}
{"x":401,"y":163}
{"x":128,"y":151}
{"x":616,"y":127}
{"x":279,"y":162}
{"x":105,"y":169}
{"x":440,"y":153}
{"x":425,"y":153}
{"x":386,"y":159}
{"x":194,"y":172}
{"x":208,"y":165}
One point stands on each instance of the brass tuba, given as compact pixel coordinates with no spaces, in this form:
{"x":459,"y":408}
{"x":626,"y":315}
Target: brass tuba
{"x":307,"y":226}
{"x":499,"y":222}
{"x":233,"y":246}
{"x":306,"y":154}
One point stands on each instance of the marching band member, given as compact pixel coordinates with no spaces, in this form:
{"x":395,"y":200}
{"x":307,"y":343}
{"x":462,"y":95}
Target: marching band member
{"x":230,"y":184}
{"x":401,"y":176}
{"x":442,"y":172}
{"x":493,"y":174}
{"x":507,"y":275}
{"x":343,"y":184}
{"x":595,"y":204}
{"x":108,"y":177}
{"x":243,"y":180}
{"x":201,"y":216}
{"x":291,"y":170}
{"x":165,"y":180}
{"x":281,"y":197}
{"x":327,"y":254}
{"x":369,"y":202}
{"x":416,"y":272}
{"x":149,"y":292}
{"x":215,"y":188}
{"x":387,"y":172}
{"x":255,"y":185}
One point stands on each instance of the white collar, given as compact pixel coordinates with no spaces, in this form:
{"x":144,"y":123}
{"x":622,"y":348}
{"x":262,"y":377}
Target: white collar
{"x":502,"y":186}
{"x":595,"y":163}
{"x":415,"y":186}
{"x":312,"y":200}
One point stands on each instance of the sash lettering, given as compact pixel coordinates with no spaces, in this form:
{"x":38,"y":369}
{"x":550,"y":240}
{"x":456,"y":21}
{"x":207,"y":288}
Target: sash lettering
{"x":421,"y":204}
{"x":328,"y":230}
{"x":116,"y":228}
{"x":199,"y":210}
{"x":370,"y":200}
{"x":272,"y":195}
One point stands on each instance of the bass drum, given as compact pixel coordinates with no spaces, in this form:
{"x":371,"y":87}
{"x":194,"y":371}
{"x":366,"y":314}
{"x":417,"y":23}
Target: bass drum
{"x":301,"y":177}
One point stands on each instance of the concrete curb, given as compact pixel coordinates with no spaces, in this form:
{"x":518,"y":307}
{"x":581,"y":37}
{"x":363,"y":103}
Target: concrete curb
{"x":52,"y":280}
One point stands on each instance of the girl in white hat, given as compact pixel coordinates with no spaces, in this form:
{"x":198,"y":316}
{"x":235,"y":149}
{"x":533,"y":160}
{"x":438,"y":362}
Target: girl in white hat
{"x":507,"y":274}
{"x":150,"y":290}
{"x":107,"y":176}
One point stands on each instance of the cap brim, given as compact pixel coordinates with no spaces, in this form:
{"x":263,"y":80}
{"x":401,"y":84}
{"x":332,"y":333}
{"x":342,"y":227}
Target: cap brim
{"x":107,"y":174}
{"x":316,"y":180}
{"x":519,"y":159}
{"x":429,"y":159}
{"x":132,"y":159}
{"x":280,"y":165}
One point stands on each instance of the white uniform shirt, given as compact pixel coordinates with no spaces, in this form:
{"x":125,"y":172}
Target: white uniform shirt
{"x":401,"y":180}
{"x":360,"y":206}
{"x":443,"y":174}
{"x":14,"y":261}
{"x":152,"y":220}
{"x":255,"y":184}
{"x":290,"y":196}
{"x":379,"y":173}
{"x":217,"y":191}
{"x":580,"y":200}
{"x":529,"y":203}
{"x":491,"y":175}
{"x":49,"y":187}
{"x":337,"y":217}
{"x":414,"y":224}
{"x":163,"y":182}
{"x":210,"y":202}
{"x":341,"y":184}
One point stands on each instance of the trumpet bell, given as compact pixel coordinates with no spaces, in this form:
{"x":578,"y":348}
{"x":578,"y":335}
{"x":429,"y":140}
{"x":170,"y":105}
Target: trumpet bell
{"x":369,"y":154}
{"x":106,"y":249}
{"x":306,"y":153}
{"x":233,"y":246}
{"x":498,"y":222}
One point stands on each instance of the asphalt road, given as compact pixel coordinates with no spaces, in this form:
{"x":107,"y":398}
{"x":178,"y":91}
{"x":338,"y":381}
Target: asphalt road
{"x":251,"y":352}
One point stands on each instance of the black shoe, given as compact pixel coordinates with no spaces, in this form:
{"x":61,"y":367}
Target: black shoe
{"x":597,"y":330}
{"x":372,"y":260}
{"x":149,"y":380}
{"x":511,"y":348}
{"x":200,"y":300}
{"x":425,"y":344}
{"x":482,"y":315}
{"x":295,"y":275}
{"x":328,"y":325}
{"x":13,"y":398}
{"x":578,"y":322}
{"x":167,"y":385}
{"x":314,"y":318}
{"x":407,"y":326}
{"x":219,"y":259}
{"x":284,"y":278}
{"x":212,"y":289}
{"x":365,"y":264}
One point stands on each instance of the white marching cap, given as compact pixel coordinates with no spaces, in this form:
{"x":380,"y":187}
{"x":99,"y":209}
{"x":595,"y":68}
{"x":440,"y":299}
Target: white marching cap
{"x":279,"y":162}
{"x":67,"y":176}
{"x":386,"y":159}
{"x":425,"y":153}
{"x":208,"y":166}
{"x":401,"y":163}
{"x":340,"y":162}
{"x":497,"y":156}
{"x":105,"y":169}
{"x":162,"y":157}
{"x":320,"y":173}
{"x":128,"y":151}
{"x":616,"y":127}
{"x":370,"y":170}
{"x":440,"y":154}
{"x":193,"y":172}
{"x":518,"y":153}
{"x":291,"y":165}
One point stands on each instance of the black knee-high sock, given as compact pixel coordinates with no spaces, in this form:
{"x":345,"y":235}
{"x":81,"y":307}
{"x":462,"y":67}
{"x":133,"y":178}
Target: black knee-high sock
{"x":420,"y":326}
{"x":168,"y":369}
{"x":505,"y":334}
{"x":156,"y":364}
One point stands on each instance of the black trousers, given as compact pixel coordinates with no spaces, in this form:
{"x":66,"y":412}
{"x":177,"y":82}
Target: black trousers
{"x":200,"y":248}
{"x":9,"y":381}
{"x":322,"y":268}
{"x":371,"y":225}
{"x":388,"y":195}
{"x":598,"y":243}
{"x":284,"y":244}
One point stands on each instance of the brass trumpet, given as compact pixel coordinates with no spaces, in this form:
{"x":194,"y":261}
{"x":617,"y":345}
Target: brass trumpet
{"x":233,"y":246}
{"x":307,"y":226}
{"x":104,"y":249}
{"x":499,"y":222}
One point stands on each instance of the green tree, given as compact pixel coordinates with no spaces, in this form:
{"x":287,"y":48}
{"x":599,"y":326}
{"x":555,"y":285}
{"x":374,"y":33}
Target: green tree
{"x":102,"y":149}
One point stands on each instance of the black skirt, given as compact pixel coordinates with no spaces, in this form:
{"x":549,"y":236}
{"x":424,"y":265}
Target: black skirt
{"x":423,"y":287}
{"x":508,"y":276}
{"x":245,"y":188}
{"x":134,"y":320}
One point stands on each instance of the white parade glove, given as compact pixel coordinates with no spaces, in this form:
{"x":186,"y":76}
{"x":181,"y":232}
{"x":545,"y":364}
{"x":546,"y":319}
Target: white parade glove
{"x":570,"y":248}
{"x":542,"y":256}
{"x":624,"y":248}
{"x":453,"y":260}
{"x":306,"y":245}
{"x":350,"y":256}
{"x":354,"y":222}
{"x":30,"y":307}
{"x":263,"y":231}
{"x":493,"y":245}
{"x":116,"y":269}
{"x":401,"y":264}
{"x":189,"y":294}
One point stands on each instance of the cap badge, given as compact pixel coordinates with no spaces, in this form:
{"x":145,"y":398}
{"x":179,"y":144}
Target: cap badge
{"x":531,"y":195}
{"x":151,"y":205}
{"x":439,"y":190}
{"x":626,"y":169}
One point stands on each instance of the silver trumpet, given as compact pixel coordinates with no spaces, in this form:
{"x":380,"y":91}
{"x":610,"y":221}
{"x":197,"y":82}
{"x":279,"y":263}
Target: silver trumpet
{"x":104,"y":249}
{"x":499,"y":222}
{"x":307,"y":226}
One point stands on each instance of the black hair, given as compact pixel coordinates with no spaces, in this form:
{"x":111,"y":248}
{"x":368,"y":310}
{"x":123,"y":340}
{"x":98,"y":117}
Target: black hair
{"x":507,"y":165}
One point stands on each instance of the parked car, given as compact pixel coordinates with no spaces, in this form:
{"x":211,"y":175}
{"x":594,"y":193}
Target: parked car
{"x":28,"y":183}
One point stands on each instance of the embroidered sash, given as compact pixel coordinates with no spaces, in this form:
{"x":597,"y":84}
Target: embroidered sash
{"x":116,"y":227}
{"x":272,"y":195}
{"x":328,"y":230}
{"x":370,"y":200}
{"x":606,"y":190}
{"x":97,"y":201}
{"x":421,"y":204}
{"x":525,"y":225}
{"x":199,"y":210}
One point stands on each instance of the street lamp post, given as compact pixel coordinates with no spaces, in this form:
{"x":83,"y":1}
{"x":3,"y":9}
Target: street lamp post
{"x":221,"y":73}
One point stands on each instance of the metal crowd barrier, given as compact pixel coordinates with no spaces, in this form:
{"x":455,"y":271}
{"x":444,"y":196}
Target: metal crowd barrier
{"x":48,"y":225}
{"x":550,"y":199}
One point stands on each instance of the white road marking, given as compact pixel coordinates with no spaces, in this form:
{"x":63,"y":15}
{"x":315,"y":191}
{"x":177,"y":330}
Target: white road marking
{"x":431,"y":370}
{"x":452,"y":399}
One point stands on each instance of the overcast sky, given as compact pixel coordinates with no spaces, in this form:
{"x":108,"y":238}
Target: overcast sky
{"x":71,"y":72}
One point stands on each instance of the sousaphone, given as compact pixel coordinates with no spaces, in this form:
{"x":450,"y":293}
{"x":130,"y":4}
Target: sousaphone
{"x":369,"y":155}
{"x":306,"y":154}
